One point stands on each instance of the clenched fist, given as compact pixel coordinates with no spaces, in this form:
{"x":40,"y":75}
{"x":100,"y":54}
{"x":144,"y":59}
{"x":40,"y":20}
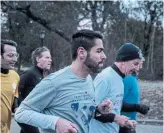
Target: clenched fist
{"x":64,"y":126}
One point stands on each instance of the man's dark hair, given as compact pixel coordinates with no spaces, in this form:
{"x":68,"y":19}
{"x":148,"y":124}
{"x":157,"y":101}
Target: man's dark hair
{"x":84,"y":38}
{"x":7,"y":42}
{"x":38,"y":53}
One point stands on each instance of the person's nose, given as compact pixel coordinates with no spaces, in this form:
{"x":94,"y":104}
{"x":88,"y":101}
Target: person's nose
{"x":50,"y":60}
{"x":14,"y":59}
{"x":103,"y":56}
{"x":137,"y":67}
{"x":141,"y":65}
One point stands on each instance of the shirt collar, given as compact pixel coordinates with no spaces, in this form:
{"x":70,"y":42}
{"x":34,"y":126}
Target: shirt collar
{"x":118,"y":71}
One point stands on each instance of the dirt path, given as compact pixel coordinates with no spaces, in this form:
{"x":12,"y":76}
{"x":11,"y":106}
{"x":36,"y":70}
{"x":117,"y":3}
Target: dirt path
{"x":152,"y":95}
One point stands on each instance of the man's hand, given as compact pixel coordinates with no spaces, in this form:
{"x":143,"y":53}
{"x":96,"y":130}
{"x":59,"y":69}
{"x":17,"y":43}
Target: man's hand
{"x":64,"y":126}
{"x":105,"y":107}
{"x":131,"y":124}
{"x":121,"y":120}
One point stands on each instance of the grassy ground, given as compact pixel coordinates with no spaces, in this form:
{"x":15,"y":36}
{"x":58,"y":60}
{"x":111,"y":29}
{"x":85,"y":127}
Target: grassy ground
{"x":152,"y":95}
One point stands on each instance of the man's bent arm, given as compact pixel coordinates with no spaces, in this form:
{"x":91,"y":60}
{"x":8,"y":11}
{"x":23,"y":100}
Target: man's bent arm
{"x":26,"y":115}
{"x":30,"y":109}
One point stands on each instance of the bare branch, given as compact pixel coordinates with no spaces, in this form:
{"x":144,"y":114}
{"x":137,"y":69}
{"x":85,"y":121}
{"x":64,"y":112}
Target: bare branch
{"x":26,"y":10}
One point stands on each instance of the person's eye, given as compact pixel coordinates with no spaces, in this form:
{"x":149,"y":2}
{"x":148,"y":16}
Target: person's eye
{"x":10,"y":55}
{"x":99,"y":51}
{"x":136,"y":64}
{"x":13,"y":55}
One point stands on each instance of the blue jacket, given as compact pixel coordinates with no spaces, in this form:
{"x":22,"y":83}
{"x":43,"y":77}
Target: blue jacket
{"x":131,"y":94}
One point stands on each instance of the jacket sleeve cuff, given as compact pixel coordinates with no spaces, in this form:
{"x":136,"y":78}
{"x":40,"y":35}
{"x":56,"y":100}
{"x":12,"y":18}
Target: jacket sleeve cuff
{"x":54,"y":122}
{"x":104,"y":118}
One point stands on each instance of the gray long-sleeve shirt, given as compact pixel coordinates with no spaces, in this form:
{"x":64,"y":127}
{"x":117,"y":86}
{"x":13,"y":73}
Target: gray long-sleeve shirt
{"x":109,"y":85}
{"x":60,"y":95}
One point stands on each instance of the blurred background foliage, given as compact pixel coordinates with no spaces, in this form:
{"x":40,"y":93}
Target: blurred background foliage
{"x":139,"y":22}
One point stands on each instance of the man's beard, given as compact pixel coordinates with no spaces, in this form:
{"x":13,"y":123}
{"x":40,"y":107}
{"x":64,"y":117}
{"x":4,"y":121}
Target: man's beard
{"x":92,"y":65}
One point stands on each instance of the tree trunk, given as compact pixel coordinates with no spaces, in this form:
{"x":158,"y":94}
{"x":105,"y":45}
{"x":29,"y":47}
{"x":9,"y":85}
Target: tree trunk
{"x":125,"y":30}
{"x":19,"y":63}
{"x":152,"y":49}
{"x":148,"y":61}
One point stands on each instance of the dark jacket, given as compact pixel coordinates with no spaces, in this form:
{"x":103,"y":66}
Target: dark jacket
{"x":28,"y":80}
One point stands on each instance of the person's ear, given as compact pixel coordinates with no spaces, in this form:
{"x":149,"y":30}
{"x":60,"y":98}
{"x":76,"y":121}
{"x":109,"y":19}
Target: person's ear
{"x":37,"y":59}
{"x":123,"y":65}
{"x":81,"y":52}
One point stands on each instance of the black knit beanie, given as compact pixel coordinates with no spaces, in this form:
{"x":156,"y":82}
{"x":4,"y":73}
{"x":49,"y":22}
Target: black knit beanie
{"x":129,"y":51}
